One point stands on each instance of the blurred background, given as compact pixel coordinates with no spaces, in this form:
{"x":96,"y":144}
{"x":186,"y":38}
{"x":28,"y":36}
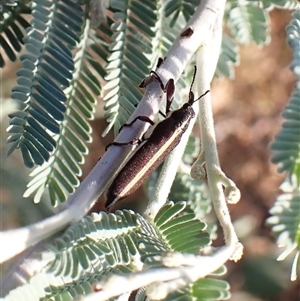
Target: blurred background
{"x":247,"y":114}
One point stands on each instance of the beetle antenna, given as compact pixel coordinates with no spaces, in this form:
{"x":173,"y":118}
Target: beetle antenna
{"x":191,"y":93}
{"x":201,"y":96}
{"x":194,"y":77}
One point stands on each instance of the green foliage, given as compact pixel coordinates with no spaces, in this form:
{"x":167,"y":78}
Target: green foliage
{"x":60,"y":174}
{"x":286,"y":146}
{"x":122,"y":77}
{"x":128,"y":45}
{"x":46,"y":68}
{"x":203,"y":289}
{"x":285,"y":219}
{"x":59,"y":83}
{"x":105,"y":244}
{"x":53,"y":107}
{"x":248,"y":23}
{"x":12,"y":27}
{"x":184,"y":7}
{"x":98,"y":245}
{"x":169,"y":224}
{"x":95,"y":244}
{"x":288,"y":4}
{"x":188,"y":189}
{"x":285,"y":222}
{"x":229,"y":57}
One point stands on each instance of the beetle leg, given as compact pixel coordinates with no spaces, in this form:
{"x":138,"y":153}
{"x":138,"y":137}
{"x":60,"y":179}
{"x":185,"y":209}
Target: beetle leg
{"x":170,"y":90}
{"x":160,"y":62}
{"x":142,"y":118}
{"x":132,"y":142}
{"x":158,"y":79}
{"x":136,"y":140}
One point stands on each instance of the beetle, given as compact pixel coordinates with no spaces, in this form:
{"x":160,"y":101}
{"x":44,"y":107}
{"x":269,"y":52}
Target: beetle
{"x":158,"y":141}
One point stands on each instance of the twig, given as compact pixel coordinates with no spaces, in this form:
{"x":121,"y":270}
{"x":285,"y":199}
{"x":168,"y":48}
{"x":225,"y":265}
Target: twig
{"x":168,"y":173}
{"x":206,"y":62}
{"x":161,"y":281}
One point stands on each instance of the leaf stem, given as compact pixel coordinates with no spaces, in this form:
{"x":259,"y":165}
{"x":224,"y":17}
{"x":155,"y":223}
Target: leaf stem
{"x":168,"y":173}
{"x":207,"y":57}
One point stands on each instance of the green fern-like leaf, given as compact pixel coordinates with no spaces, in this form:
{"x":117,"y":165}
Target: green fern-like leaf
{"x":248,"y":23}
{"x":12,"y":27}
{"x":229,"y":57}
{"x":145,"y":46}
{"x":173,"y":222}
{"x":287,"y":4}
{"x":207,"y":289}
{"x":186,"y":188}
{"x":293,"y":38}
{"x":60,"y":175}
{"x":95,"y":244}
{"x":98,"y":245}
{"x":285,"y":219}
{"x":285,"y":223}
{"x":129,"y":60}
{"x":185,"y":7}
{"x":286,"y":146}
{"x":174,"y":218}
{"x":104,"y":244}
{"x":46,"y":68}
{"x":45,"y":287}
